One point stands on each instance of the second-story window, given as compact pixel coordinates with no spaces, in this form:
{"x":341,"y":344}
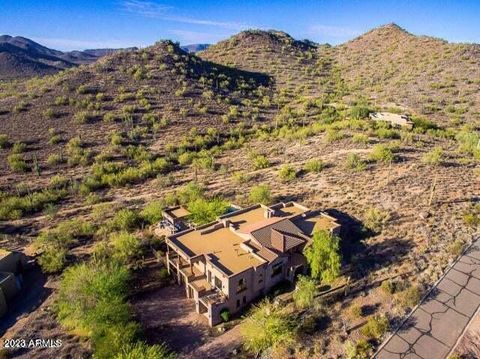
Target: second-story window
{"x":277,"y":269}
{"x":242,"y":285}
{"x":218,"y":283}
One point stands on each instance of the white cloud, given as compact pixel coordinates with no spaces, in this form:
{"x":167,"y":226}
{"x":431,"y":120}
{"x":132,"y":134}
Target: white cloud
{"x":336,"y":32}
{"x":159,"y":11}
{"x":71,"y":44}
{"x":186,"y":37}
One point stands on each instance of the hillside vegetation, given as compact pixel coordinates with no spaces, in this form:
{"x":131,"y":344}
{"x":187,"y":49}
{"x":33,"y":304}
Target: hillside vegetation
{"x":90,"y":156}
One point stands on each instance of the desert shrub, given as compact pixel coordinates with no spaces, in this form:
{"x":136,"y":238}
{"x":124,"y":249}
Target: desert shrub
{"x":358,"y":350}
{"x":375,"y":219}
{"x":260,"y":194}
{"x":305,"y":292}
{"x":260,"y":162}
{"x":356,"y":311}
{"x":204,"y":211}
{"x":109,"y":117}
{"x":355,"y":163}
{"x":469,"y":142}
{"x":152,"y":212}
{"x":390,"y":133}
{"x":376,"y":327}
{"x":123,"y":220}
{"x":225,"y":315}
{"x":17,"y":163}
{"x":241,"y":177}
{"x":203,"y":160}
{"x":266,"y":326}
{"x":333,"y":135}
{"x":59,"y":181}
{"x":84,"y":117}
{"x":52,"y":260}
{"x":314,"y":165}
{"x":116,"y":139}
{"x":14,"y":207}
{"x":455,"y":249}
{"x":472,"y":217}
{"x":323,"y":256}
{"x":53,"y":244}
{"x":382,"y":153}
{"x":4,"y":142}
{"x":185,"y":158}
{"x":92,"y":198}
{"x":388,"y":287}
{"x":433,"y":157}
{"x":50,"y":113}
{"x":19,"y":147}
{"x":360,"y":138}
{"x":140,"y":350}
{"x":422,"y":124}
{"x":54,"y":139}
{"x":287,"y":173}
{"x":21,"y":107}
{"x":359,"y":112}
{"x":92,"y":302}
{"x":125,"y":247}
{"x":410,"y":297}
{"x":190,"y":193}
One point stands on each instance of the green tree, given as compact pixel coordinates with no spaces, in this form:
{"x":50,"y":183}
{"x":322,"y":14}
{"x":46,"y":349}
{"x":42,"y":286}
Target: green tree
{"x":152,"y":212}
{"x":266,"y":327}
{"x":260,"y":194}
{"x":204,"y":211}
{"x":323,"y":256}
{"x":305,"y":292}
{"x":126,"y":247}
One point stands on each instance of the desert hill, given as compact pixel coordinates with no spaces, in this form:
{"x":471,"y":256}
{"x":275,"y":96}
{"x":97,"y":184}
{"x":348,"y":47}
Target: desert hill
{"x":260,"y":117}
{"x":158,"y":92}
{"x":429,"y":75}
{"x":387,"y":66}
{"x":24,"y":58}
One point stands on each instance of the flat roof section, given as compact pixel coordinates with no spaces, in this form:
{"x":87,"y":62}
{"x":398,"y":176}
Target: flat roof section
{"x":315,"y":223}
{"x":247,"y":218}
{"x":291,"y":210}
{"x":177,"y":212}
{"x":222,"y":245}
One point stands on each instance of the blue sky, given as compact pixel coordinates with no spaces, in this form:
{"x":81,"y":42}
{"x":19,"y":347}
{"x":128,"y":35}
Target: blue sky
{"x":81,"y":24}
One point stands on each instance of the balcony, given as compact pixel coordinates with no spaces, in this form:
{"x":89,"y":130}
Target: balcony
{"x":214,"y":296}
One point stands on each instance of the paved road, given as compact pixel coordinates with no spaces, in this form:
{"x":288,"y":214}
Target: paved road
{"x":435,"y":326}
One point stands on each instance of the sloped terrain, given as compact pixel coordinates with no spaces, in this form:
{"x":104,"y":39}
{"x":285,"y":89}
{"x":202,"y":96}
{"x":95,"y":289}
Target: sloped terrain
{"x":429,"y":75}
{"x":24,"y":58}
{"x":297,"y":66}
{"x":260,"y":108}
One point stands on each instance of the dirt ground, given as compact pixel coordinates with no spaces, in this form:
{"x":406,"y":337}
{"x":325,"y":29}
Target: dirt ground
{"x":166,"y":314}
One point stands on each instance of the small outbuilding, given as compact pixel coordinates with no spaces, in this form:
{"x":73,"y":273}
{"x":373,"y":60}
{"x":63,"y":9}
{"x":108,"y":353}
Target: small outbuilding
{"x":394,"y":119}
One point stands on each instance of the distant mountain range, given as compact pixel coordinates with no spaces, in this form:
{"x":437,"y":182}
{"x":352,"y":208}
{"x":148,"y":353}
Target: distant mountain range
{"x":195,"y":47}
{"x":21,"y":58}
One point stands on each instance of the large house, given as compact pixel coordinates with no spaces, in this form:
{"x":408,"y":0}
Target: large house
{"x":226,"y":264}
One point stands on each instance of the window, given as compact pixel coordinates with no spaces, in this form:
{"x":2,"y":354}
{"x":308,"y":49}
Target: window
{"x":238,"y":303}
{"x":244,"y":299}
{"x":277,"y":269}
{"x":218,"y":283}
{"x":260,"y":278}
{"x":242,"y":285}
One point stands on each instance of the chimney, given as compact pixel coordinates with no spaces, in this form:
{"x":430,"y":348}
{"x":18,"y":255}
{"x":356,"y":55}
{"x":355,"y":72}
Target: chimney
{"x":267,"y":213}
